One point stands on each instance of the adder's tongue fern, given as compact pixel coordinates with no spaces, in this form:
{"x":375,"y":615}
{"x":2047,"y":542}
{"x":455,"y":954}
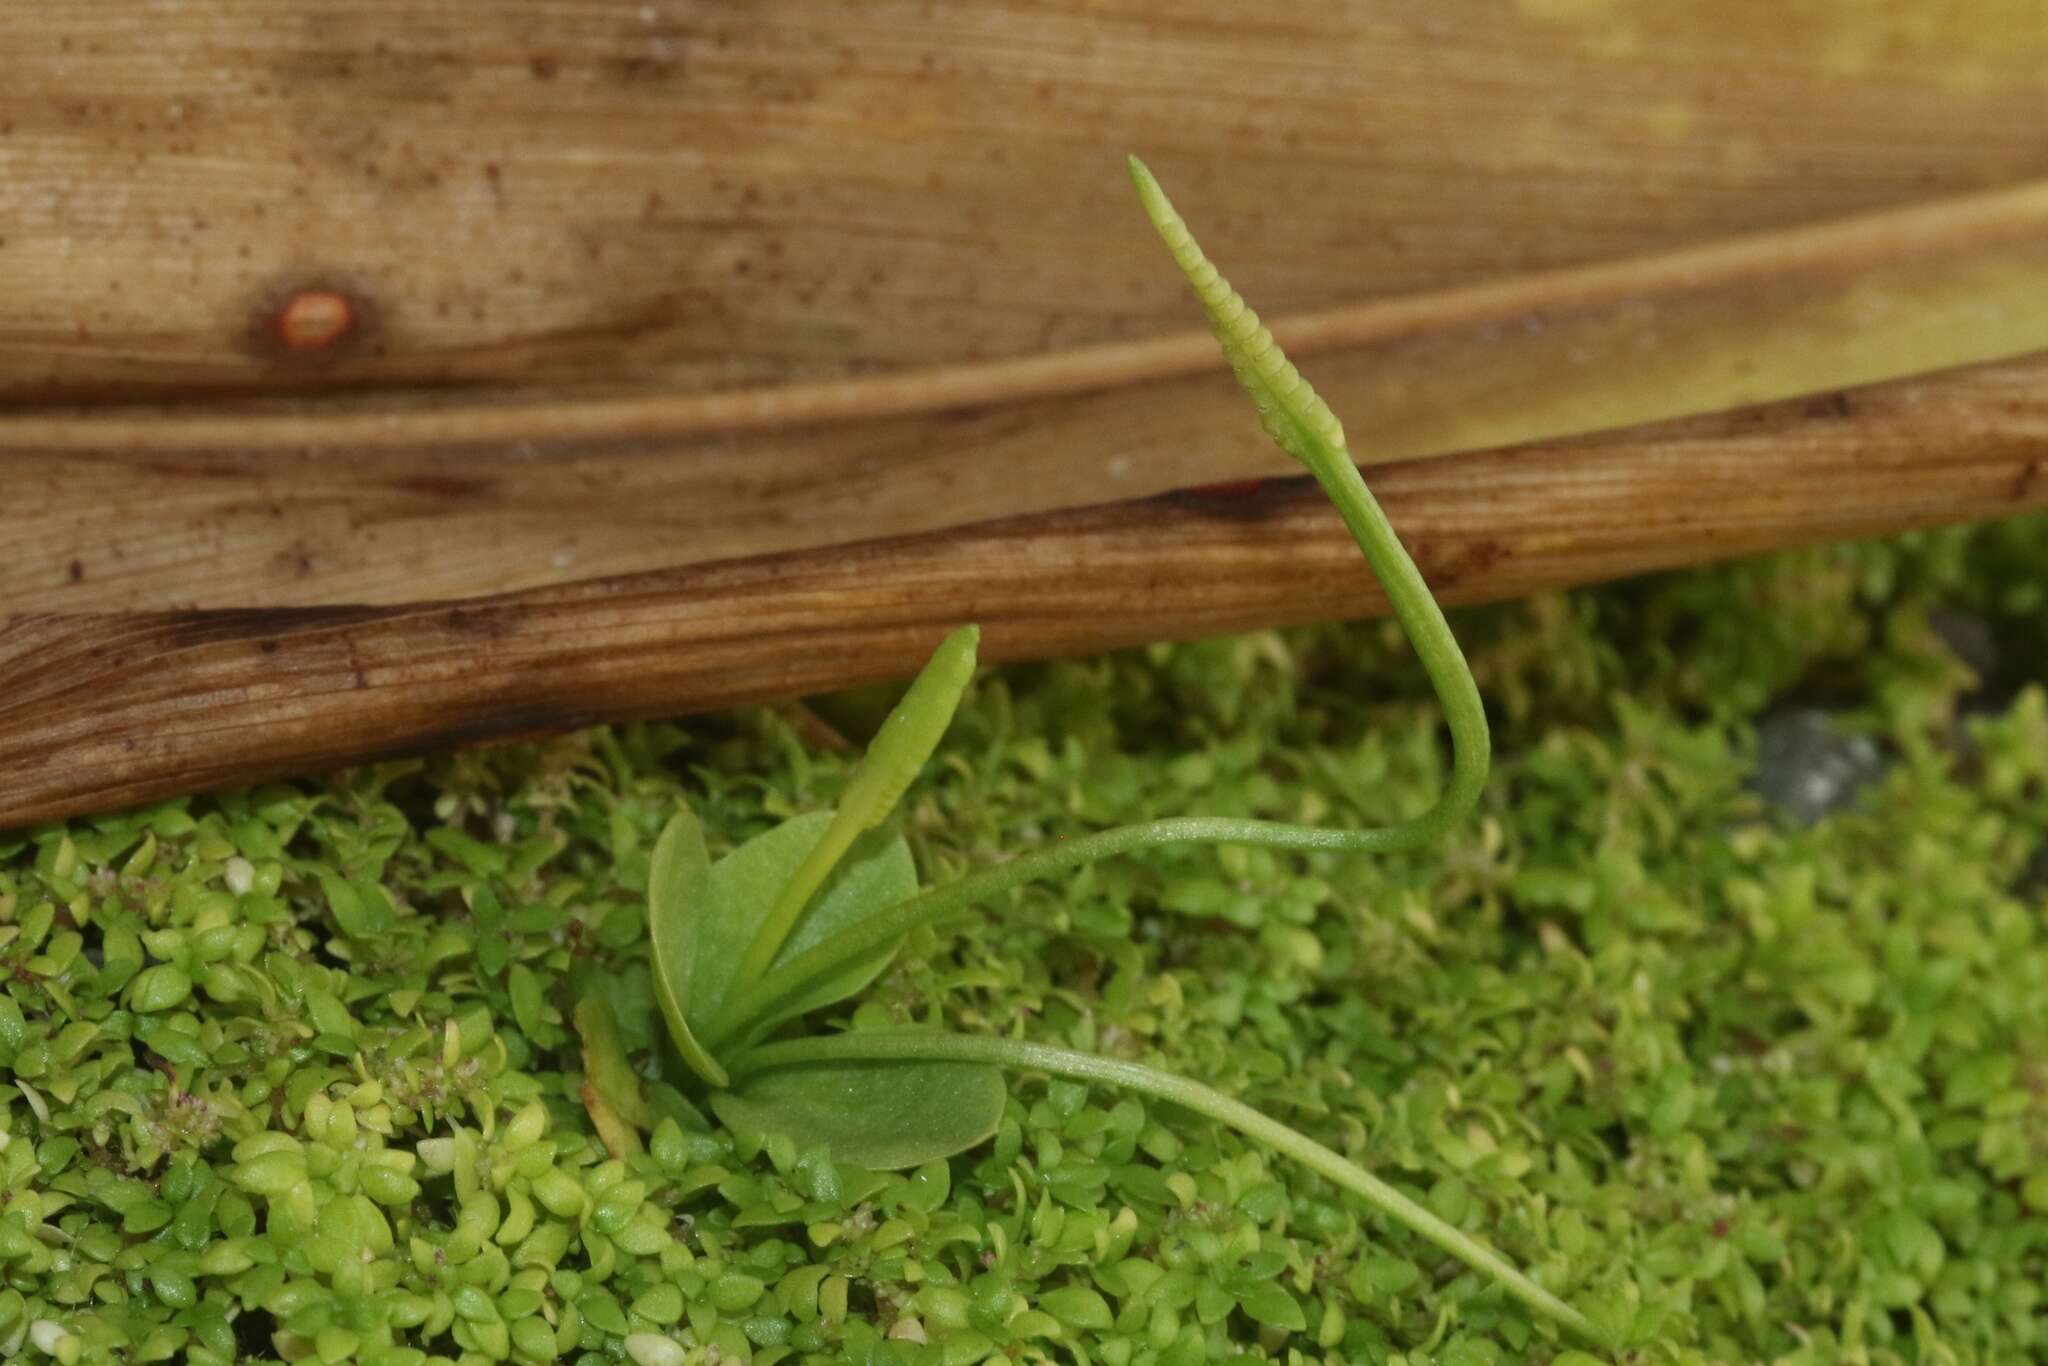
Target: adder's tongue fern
{"x":1303,"y":426}
{"x":890,"y":1097}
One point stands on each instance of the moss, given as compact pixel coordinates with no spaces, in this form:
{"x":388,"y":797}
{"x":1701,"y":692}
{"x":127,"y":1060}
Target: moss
{"x":294,"y":1074}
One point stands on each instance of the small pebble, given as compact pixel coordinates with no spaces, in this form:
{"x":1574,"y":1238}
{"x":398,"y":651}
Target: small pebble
{"x":1808,"y":767}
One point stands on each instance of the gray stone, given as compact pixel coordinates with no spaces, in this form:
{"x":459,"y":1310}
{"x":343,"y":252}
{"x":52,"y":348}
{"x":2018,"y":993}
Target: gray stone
{"x":1807,"y":766}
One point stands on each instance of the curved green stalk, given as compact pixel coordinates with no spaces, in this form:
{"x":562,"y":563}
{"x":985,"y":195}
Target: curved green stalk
{"x":930,"y":1046}
{"x":1302,"y":425}
{"x":792,"y":979}
{"x":1471,"y":751}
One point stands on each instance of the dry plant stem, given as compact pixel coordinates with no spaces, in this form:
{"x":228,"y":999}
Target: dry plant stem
{"x":1013,"y":1054}
{"x":99,"y":711}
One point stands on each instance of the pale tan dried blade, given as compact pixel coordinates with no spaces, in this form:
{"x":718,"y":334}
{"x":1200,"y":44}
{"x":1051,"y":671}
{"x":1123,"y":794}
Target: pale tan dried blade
{"x":681,"y":197}
{"x":199,"y":509}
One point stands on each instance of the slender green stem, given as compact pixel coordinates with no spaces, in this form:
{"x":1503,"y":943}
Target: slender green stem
{"x":1471,"y":751}
{"x":796,"y":977}
{"x":1015,"y":1054}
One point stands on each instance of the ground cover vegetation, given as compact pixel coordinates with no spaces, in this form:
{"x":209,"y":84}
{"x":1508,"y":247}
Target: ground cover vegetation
{"x":296,"y":1073}
{"x":406,"y":1064}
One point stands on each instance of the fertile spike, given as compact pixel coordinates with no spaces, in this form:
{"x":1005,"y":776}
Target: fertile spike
{"x":1299,"y":422}
{"x":896,"y":756}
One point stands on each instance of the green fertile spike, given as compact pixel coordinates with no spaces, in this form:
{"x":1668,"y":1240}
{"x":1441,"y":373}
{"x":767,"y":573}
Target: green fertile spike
{"x":912,"y":731}
{"x":1299,"y":422}
{"x":898,"y":753}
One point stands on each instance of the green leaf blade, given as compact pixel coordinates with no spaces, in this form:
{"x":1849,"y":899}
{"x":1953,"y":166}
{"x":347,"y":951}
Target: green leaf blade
{"x":884,"y":1116}
{"x":912,"y":731}
{"x":679,"y":897}
{"x":605,"y":1064}
{"x":1270,"y":1304}
{"x":877,"y":874}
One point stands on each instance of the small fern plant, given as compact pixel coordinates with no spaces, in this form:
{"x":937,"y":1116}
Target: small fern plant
{"x":809,"y":913}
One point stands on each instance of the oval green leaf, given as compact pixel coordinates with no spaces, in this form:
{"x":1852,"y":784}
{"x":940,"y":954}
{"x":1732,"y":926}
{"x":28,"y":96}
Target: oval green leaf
{"x":680,"y":903}
{"x":877,"y":873}
{"x":883,"y":1115}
